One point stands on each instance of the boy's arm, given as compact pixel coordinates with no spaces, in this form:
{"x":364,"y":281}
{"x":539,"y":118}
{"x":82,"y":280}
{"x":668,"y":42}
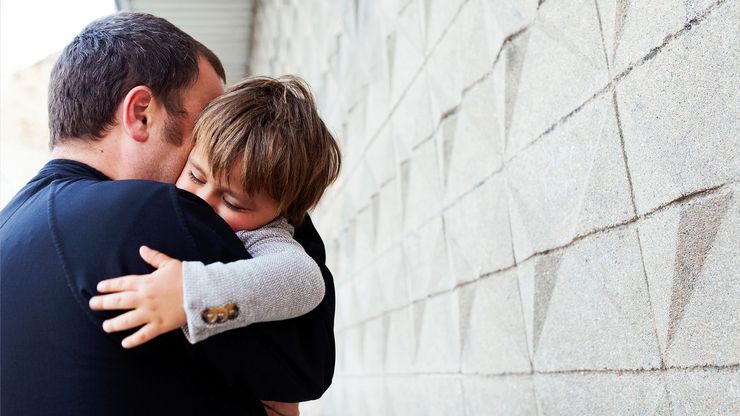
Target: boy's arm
{"x":290,"y":360}
{"x":280,"y":282}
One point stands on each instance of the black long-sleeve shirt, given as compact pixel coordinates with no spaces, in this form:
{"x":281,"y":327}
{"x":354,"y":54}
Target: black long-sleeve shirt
{"x":71,"y":227}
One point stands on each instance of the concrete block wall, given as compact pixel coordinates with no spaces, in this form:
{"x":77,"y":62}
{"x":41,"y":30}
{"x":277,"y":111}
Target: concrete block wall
{"x":538,"y":211}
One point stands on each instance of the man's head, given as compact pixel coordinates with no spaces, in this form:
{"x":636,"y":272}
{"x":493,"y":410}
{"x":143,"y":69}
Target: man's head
{"x":136,"y":80}
{"x":265,"y":146}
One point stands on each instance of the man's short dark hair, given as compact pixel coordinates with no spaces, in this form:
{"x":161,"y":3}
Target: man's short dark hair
{"x":111,"y":56}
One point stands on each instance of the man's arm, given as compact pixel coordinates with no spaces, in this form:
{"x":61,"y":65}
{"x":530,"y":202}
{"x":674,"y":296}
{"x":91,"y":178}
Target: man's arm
{"x":289,"y":361}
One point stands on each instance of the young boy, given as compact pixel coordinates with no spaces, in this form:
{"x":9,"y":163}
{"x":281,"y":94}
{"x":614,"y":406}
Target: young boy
{"x":262,"y":158}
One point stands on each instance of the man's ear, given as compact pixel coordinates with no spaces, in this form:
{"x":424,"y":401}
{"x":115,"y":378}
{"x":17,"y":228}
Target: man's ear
{"x":136,"y":112}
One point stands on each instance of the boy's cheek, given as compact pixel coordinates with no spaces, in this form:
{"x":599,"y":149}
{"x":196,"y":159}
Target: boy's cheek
{"x":238,"y":222}
{"x":184,"y":183}
{"x":234,"y":223}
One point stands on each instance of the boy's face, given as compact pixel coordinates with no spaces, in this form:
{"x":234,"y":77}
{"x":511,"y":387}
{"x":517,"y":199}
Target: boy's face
{"x":239,"y":210}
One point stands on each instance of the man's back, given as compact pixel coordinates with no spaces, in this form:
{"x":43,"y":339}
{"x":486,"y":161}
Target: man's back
{"x":68,"y":229}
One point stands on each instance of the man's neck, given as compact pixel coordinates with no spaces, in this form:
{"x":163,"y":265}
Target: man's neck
{"x":92,"y":153}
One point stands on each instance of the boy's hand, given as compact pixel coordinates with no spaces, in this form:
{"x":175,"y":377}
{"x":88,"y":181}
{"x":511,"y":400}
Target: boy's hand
{"x":155,"y":299}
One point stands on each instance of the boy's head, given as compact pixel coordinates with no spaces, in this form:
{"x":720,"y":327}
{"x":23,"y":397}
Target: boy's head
{"x":265,"y":151}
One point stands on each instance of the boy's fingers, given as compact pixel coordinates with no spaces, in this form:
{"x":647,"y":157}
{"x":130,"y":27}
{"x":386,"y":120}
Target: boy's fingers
{"x":118,"y":284}
{"x":145,"y":334}
{"x":155,"y":258}
{"x":125,"y":321}
{"x":114,"y":301}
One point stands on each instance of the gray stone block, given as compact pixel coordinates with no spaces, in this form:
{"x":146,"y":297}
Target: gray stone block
{"x":389,"y":11}
{"x":389,"y":272}
{"x":439,"y":16}
{"x":357,"y":127}
{"x":389,"y":215}
{"x":340,"y":341}
{"x":478,"y":232}
{"x":373,"y":392}
{"x":704,"y":391}
{"x":552,"y":69}
{"x":477,"y":30}
{"x":359,"y":186}
{"x":407,"y":49}
{"x":332,"y":260}
{"x":413,"y":121}
{"x":426,"y":260}
{"x":611,"y":393}
{"x":445,"y":71}
{"x":371,"y":32}
{"x":352,"y":346}
{"x":438,"y":342}
{"x":400,"y":343}
{"x":472,"y":140}
{"x":509,"y":16}
{"x":423,"y":199}
{"x":363,"y":396}
{"x":381,"y":156}
{"x":680,"y":126}
{"x":492,"y":326}
{"x":364,"y":245}
{"x":692,"y":263}
{"x":374,"y":346}
{"x":569,"y":182}
{"x":351,"y":400}
{"x":547,"y":271}
{"x":424,"y":395}
{"x":403,"y":395}
{"x":378,"y":105}
{"x":499,"y":396}
{"x":633,"y":28}
{"x":346,"y":313}
{"x":591,"y":306}
{"x":444,"y":395}
{"x":368,"y":294}
{"x":327,"y":220}
{"x":481,"y":26}
{"x":332,"y":109}
{"x":344,"y":253}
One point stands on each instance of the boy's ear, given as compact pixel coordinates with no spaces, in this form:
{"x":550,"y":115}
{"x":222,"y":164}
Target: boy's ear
{"x":136,"y":112}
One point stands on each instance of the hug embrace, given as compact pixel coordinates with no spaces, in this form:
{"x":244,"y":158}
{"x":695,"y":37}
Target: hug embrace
{"x":163,"y":262}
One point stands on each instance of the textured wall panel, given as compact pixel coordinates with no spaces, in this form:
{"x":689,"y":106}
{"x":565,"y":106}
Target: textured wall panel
{"x":537,"y":213}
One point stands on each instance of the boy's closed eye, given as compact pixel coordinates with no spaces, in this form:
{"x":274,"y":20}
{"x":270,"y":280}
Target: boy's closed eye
{"x":240,"y":210}
{"x":195,"y":178}
{"x":233,"y":205}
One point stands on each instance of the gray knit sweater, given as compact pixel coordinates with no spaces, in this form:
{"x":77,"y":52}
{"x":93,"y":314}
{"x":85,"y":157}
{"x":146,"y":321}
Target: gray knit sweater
{"x":280,"y":281}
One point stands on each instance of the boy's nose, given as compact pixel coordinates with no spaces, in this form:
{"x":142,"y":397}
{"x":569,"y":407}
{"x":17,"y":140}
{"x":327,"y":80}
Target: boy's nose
{"x":210,"y":197}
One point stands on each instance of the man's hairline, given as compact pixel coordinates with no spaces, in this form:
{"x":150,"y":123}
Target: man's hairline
{"x":179,"y":115}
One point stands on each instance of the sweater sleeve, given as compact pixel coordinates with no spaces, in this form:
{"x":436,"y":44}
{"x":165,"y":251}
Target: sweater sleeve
{"x":280,"y":282}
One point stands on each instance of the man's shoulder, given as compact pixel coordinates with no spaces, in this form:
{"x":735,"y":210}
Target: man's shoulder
{"x":113,"y":192}
{"x":135,"y":212}
{"x":130,"y":198}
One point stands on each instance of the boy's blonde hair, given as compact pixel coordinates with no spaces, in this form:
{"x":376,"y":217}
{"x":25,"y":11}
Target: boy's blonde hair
{"x":271,"y":130}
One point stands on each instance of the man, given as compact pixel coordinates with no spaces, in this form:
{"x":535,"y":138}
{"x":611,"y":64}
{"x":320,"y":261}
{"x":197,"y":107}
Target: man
{"x":122,"y":101}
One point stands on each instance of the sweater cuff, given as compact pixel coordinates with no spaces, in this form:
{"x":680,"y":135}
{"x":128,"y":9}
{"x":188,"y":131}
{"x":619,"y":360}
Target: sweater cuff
{"x":194,"y":329}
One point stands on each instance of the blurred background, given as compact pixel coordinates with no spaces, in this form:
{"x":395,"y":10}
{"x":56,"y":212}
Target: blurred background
{"x":537,"y":213}
{"x":32,"y":33}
